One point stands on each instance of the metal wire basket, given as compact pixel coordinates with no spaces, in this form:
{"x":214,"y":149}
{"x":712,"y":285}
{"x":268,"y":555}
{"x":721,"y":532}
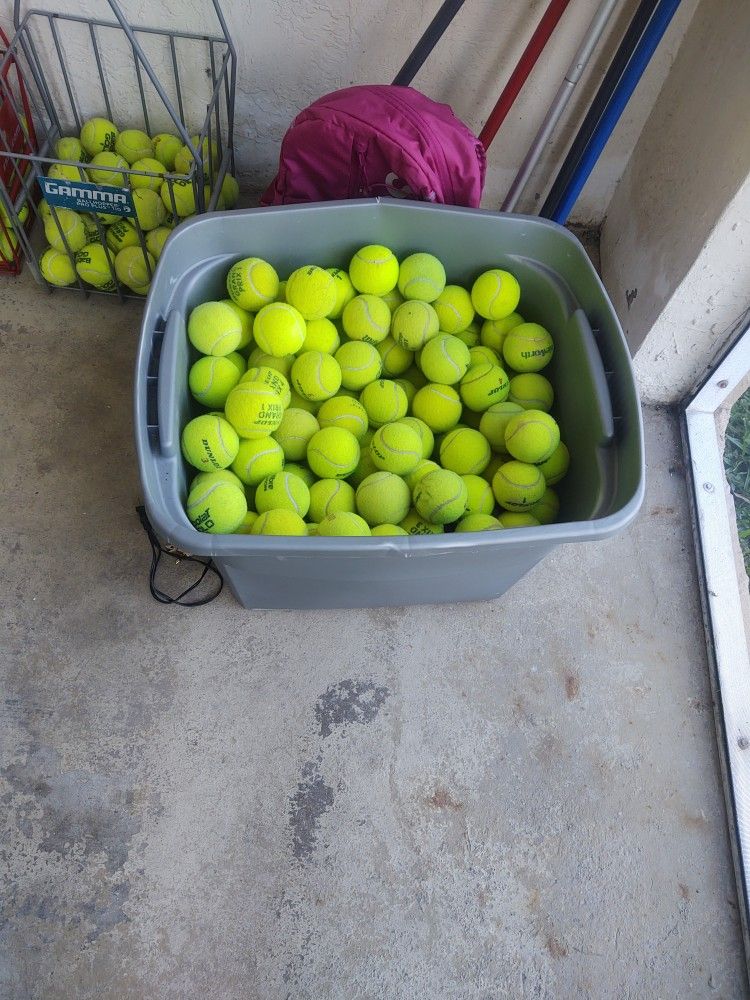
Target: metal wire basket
{"x":150,"y":78}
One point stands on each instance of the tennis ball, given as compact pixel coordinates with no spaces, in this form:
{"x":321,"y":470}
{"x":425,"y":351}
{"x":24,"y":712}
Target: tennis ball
{"x":178,"y":197}
{"x":421,"y":276}
{"x":258,"y":358}
{"x":246,"y":319}
{"x":393,"y":299}
{"x":106,"y":168}
{"x":383,"y":498}
{"x":483,"y":356}
{"x":302,"y":472}
{"x":495,"y":420}
{"x":252,"y":283}
{"x":425,"y":434}
{"x":366,"y":318}
{"x":421,"y":469}
{"x":413,"y":324}
{"x":495,"y":462}
{"x":479,"y":496}
{"x":384,"y":401}
{"x":532,"y":392}
{"x":57,"y":268}
{"x":134,"y":268}
{"x":345,"y":291}
{"x":396,"y":359}
{"x":444,"y":359}
{"x":465,"y":451}
{"x":321,"y":335}
{"x":272,"y":379}
{"x":333,"y":453}
{"x":98,"y":135}
{"x":70,"y":148}
{"x":416,"y":377}
{"x":528,"y":347}
{"x":365,"y":466}
{"x":556,"y":466}
{"x":517,"y":485}
{"x":209,"y":442}
{"x":279,"y":522}
{"x":121,"y":235}
{"x":360,"y":364}
{"x":211,"y":380}
{"x":94,"y":228}
{"x":209,"y":154}
{"x":132,"y":145}
{"x":440,"y":497}
{"x":315,"y":375}
{"x":495,"y":294}
{"x":409,"y":389}
{"x":387,"y":529}
{"x":238,"y":361}
{"x":518,"y":519}
{"x":469,"y":336}
{"x":494,"y":331}
{"x":230,"y":191}
{"x":330,"y":496}
{"x":93,"y":266}
{"x":246,"y":525}
{"x":255,"y":460}
{"x":396,"y":448}
{"x":282,"y":491}
{"x":454,"y":309}
{"x":312,"y":291}
{"x":294,"y":433}
{"x":213,"y":328}
{"x":61,"y":172}
{"x":218,"y":508}
{"x":67,"y":232}
{"x":149,"y":209}
{"x":438,"y":405}
{"x":532,"y":436}
{"x":341,"y":411}
{"x":546,"y":509}
{"x":484,"y":385}
{"x":166,"y":148}
{"x":148,"y":165}
{"x":343,"y":522}
{"x":415,"y":524}
{"x":279,"y":329}
{"x":253,"y":409}
{"x":374,"y":270}
{"x":478,"y":522}
{"x":281,"y":293}
{"x":215,"y":476}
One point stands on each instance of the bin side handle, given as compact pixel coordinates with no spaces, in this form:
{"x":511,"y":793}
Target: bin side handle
{"x":592,"y":369}
{"x":166,"y":389}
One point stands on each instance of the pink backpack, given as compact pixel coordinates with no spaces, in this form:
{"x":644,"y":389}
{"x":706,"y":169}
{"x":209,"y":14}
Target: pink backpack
{"x":378,"y":140}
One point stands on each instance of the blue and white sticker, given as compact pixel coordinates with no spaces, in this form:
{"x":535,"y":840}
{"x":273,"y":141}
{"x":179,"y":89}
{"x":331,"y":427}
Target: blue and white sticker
{"x":83,"y":196}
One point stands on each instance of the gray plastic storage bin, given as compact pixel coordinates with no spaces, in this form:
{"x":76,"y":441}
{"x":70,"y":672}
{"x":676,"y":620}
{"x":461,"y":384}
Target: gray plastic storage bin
{"x":597,"y":404}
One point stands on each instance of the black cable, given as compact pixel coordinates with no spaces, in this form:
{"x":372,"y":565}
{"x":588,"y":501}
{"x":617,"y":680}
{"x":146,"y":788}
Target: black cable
{"x":609,"y":84}
{"x":157,"y":551}
{"x":427,"y":42}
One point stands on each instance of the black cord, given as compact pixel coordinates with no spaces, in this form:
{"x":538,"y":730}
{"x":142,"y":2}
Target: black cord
{"x":157,"y":551}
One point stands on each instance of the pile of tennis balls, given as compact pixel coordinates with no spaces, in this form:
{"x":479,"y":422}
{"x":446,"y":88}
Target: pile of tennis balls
{"x":378,"y":401}
{"x":160,"y":204}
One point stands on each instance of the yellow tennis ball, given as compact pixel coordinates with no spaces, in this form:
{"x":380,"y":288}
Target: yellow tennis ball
{"x":413,"y":324}
{"x":148,"y":165}
{"x":213,"y":328}
{"x":66,"y":232}
{"x":246,"y":319}
{"x":133,"y":144}
{"x":279,"y":522}
{"x":279,"y":329}
{"x":495,"y":462}
{"x":518,"y":519}
{"x":556,"y":466}
{"x":252,"y":283}
{"x":282,"y":365}
{"x":393,"y":299}
{"x":440,"y":497}
{"x":396,"y":359}
{"x":345,"y":291}
{"x":218,"y":508}
{"x":416,"y":377}
{"x":494,"y":331}
{"x":425,"y":434}
{"x":374,"y":270}
{"x":454,"y":308}
{"x":483,"y":356}
{"x":230,"y":191}
{"x":383,"y":498}
{"x":495,"y":294}
{"x":360,"y":364}
{"x":166,"y":148}
{"x":330,"y":496}
{"x":282,"y":491}
{"x":546,"y":509}
{"x":438,"y":405}
{"x":246,"y":525}
{"x":70,"y":148}
{"x":321,"y":335}
{"x":315,"y":375}
{"x":478,"y":522}
{"x":495,"y":420}
{"x":178,"y":197}
{"x":215,"y":476}
{"x":255,"y":460}
{"x":415,"y":524}
{"x":465,"y":451}
{"x":106,"y":168}
{"x":409,"y":388}
{"x":93,"y":267}
{"x":532,"y":391}
{"x":421,"y":276}
{"x":209,"y":153}
{"x":387,"y":529}
{"x":98,"y":135}
{"x":238,"y":361}
{"x":532,"y":436}
{"x":211,"y":380}
{"x":312,"y":291}
{"x":303,"y":472}
{"x":341,"y":411}
{"x":272,"y":379}
{"x":57,"y":268}
{"x":396,"y":448}
{"x":333,"y":453}
{"x":209,"y":442}
{"x":367,"y":318}
{"x":149,"y":209}
{"x":365,"y":466}
{"x":517,"y":485}
{"x":253,"y":409}
{"x":528,"y":347}
{"x":294,"y":433}
{"x":134,"y":268}
{"x":343,"y":522}
{"x":484,"y":385}
{"x":470,"y":336}
{"x":61,"y":172}
{"x":444,"y":359}
{"x":479,"y":496}
{"x":419,"y":471}
{"x":384,"y":401}
{"x":121,"y":235}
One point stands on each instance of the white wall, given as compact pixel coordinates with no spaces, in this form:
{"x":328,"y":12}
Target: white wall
{"x":290,"y":53}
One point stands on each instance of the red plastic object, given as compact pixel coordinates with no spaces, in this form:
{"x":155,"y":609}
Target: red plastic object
{"x":18,"y":137}
{"x":518,"y":77}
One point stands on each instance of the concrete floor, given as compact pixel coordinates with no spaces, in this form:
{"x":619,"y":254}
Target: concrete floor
{"x":517,"y":799}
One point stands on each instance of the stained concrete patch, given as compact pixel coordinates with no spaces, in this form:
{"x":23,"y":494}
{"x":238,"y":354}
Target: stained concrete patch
{"x":312,"y":800}
{"x":348,"y":702}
